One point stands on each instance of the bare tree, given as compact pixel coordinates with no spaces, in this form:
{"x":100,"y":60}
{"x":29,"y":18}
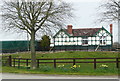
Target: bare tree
{"x":109,"y":11}
{"x":34,"y":17}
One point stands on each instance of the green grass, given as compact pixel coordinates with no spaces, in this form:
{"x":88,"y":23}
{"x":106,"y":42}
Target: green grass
{"x":85,"y":69}
{"x":68,"y":54}
{"x":66,"y":70}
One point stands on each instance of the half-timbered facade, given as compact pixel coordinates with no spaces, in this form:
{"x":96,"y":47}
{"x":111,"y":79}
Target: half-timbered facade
{"x":83,"y":39}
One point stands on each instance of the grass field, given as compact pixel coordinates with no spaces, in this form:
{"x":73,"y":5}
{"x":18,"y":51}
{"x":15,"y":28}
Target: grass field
{"x":68,"y":54}
{"x":84,"y":69}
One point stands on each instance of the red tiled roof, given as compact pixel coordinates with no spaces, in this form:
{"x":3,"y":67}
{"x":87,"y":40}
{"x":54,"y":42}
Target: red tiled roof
{"x":84,"y":31}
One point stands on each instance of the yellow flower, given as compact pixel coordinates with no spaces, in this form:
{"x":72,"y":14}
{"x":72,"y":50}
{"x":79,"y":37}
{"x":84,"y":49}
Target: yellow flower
{"x":79,"y":66}
{"x":59,"y":65}
{"x":103,"y":65}
{"x":74,"y":66}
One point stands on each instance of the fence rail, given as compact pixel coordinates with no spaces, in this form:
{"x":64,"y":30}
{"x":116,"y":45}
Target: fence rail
{"x":7,"y":60}
{"x":18,"y":61}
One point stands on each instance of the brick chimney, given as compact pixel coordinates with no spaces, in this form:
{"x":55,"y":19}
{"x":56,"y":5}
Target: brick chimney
{"x":69,"y":29}
{"x":111,"y":28}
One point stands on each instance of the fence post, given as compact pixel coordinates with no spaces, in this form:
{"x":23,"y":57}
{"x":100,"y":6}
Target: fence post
{"x":54,"y":63}
{"x":10,"y":60}
{"x":14,"y":62}
{"x":38,"y":63}
{"x":19,"y":63}
{"x":94,"y":63}
{"x":73,"y":62}
{"x":26,"y":62}
{"x":117,"y":63}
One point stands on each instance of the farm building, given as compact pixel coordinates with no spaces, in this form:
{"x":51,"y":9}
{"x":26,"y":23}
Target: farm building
{"x":16,"y":46}
{"x":83,"y":39}
{"x":19,"y":46}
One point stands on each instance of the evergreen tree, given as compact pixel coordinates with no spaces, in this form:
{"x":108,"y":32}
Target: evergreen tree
{"x":45,"y":43}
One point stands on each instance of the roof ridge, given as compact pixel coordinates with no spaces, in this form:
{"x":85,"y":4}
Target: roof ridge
{"x":84,"y":31}
{"x":89,"y":28}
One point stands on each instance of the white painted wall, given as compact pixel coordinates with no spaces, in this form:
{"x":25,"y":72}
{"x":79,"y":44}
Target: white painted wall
{"x":66,"y":40}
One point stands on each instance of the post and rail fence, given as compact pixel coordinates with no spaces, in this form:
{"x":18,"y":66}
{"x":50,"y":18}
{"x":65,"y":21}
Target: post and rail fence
{"x":18,"y":61}
{"x":7,"y":60}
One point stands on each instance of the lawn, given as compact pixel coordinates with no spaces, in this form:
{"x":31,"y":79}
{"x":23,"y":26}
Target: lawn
{"x":68,"y":54}
{"x":66,"y":69}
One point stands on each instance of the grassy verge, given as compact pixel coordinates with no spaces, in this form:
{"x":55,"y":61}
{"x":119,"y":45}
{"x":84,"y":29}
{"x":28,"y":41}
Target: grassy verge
{"x":84,"y":69}
{"x":63,"y":71}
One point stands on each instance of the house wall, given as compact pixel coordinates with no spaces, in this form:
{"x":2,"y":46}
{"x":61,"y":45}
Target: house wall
{"x":63,"y":41}
{"x":79,"y":47}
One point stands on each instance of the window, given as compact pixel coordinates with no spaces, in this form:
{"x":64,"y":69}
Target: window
{"x":65,"y":39}
{"x":85,"y":41}
{"x":102,"y":40}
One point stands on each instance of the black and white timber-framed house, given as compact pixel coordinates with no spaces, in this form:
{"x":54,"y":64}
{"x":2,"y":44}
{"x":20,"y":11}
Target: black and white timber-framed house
{"x":83,"y":39}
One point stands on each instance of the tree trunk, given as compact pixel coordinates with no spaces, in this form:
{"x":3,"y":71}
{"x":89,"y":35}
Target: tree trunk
{"x":33,"y":53}
{"x":119,"y":24}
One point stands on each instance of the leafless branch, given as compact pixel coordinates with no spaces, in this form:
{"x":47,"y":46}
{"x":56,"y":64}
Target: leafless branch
{"x":109,"y":11}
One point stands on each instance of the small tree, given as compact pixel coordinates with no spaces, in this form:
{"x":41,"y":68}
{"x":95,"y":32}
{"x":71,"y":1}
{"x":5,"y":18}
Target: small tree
{"x":45,"y":43}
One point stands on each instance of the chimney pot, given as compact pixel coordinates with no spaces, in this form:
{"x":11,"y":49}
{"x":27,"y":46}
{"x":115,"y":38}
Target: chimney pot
{"x":111,"y":28}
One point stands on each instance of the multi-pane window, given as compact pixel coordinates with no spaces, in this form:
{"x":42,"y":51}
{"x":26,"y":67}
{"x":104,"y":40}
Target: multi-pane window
{"x":65,"y":39}
{"x":103,"y":40}
{"x":85,"y":41}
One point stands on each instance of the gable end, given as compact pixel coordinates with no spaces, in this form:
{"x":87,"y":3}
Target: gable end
{"x":105,"y":30}
{"x":62,"y":30}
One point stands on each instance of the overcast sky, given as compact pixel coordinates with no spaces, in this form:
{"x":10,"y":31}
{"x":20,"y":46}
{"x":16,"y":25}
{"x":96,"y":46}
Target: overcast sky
{"x":85,"y":12}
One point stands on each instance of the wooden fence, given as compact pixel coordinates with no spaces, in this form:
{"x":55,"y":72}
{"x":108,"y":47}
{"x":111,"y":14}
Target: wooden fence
{"x":18,"y":61}
{"x":7,"y":60}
